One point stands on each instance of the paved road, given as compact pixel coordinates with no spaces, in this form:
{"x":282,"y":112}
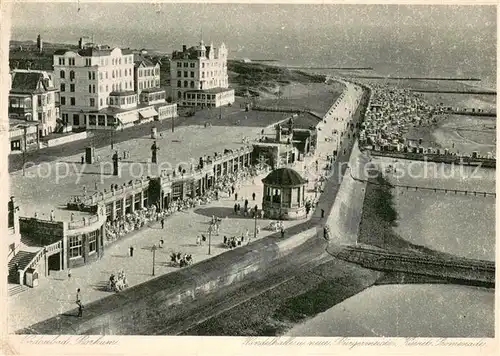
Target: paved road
{"x":231,"y":116}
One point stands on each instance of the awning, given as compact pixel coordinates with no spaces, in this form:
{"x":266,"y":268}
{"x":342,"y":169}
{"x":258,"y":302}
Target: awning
{"x":127,"y":118}
{"x":149,"y":112}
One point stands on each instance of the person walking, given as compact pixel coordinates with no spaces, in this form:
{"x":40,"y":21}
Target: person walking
{"x":253,"y":196}
{"x":162,"y":223}
{"x":322,"y":213}
{"x":79,"y":302}
{"x":235,"y":196}
{"x":235,"y":208}
{"x":69,"y":273}
{"x":282,"y":232}
{"x":131,"y":250}
{"x":198,"y":240}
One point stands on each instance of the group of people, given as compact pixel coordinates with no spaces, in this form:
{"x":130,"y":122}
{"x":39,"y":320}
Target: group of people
{"x":182,"y":260}
{"x":132,"y":221}
{"x":391,"y":114}
{"x":117,"y":283}
{"x":234,"y":241}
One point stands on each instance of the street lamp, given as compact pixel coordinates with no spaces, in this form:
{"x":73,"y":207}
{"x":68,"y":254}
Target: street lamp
{"x":255,"y":226}
{"x":153,"y":249}
{"x":210,"y":236}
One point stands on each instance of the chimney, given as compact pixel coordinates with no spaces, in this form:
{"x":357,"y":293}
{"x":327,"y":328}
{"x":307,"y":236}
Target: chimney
{"x":80,"y":43}
{"x":184,"y":48}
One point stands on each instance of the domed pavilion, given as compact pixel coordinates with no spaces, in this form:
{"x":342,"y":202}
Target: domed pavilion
{"x":284,"y":195}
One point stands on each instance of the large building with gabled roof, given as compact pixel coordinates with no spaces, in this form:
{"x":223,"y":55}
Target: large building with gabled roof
{"x":33,"y":98}
{"x":198,"y":76}
{"x":98,"y":89}
{"x":146,"y":74}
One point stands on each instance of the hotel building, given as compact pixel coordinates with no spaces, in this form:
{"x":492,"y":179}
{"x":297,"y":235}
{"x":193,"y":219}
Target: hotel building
{"x":97,"y":89}
{"x":198,"y":76}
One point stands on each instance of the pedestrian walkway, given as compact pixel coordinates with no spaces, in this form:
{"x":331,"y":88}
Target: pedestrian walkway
{"x":56,"y":294}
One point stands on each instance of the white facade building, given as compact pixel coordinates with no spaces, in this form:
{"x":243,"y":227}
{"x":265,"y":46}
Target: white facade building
{"x":198,"y":76}
{"x":97,"y":88}
{"x":146,"y":74}
{"x":86,"y":78}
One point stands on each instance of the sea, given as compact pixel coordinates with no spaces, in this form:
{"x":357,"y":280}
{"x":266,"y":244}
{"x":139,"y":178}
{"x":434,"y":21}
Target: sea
{"x":438,"y":41}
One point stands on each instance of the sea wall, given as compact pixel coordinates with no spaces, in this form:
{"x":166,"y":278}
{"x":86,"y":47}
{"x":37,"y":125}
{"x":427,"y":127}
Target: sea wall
{"x":138,"y":307}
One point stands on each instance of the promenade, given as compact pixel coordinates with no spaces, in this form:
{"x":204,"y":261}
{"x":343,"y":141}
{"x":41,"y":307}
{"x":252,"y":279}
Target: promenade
{"x":56,"y":295}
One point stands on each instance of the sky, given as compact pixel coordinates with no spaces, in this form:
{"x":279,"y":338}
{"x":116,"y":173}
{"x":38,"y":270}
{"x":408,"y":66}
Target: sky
{"x":452,"y":36}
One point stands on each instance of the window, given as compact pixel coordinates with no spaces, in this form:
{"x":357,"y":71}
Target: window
{"x":179,"y":94}
{"x":61,"y":61}
{"x":72,"y":88}
{"x":76,"y":119}
{"x":90,"y":75}
{"x":125,"y":72}
{"x":203,"y":74}
{"x":88,"y":62}
{"x":192,"y":74}
{"x":107,"y":87}
{"x":113,"y":73}
{"x":179,"y":64}
{"x":63,"y":100}
{"x":130,"y":71}
{"x":185,"y":65}
{"x":92,"y":120}
{"x":191,"y":84}
{"x":203,"y":65}
{"x":90,"y":88}
{"x":106,"y":75}
{"x":122,"y":101}
{"x":71,"y":61}
{"x":63,"y":87}
{"x":126,"y":84}
{"x":71,"y":75}
{"x":101,"y":120}
{"x":72,"y":101}
{"x":92,"y":102}
{"x":92,"y":237}
{"x":100,"y":101}
{"x":75,"y":246}
{"x":185,"y":84}
{"x":100,"y":75}
{"x":185,"y":74}
{"x":179,"y":85}
{"x":93,"y":88}
{"x":61,"y":73}
{"x":140,"y":85}
{"x":191,"y":65}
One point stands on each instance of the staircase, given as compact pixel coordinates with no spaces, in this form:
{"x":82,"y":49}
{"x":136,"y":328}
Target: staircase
{"x":15,"y":289}
{"x":22,"y":258}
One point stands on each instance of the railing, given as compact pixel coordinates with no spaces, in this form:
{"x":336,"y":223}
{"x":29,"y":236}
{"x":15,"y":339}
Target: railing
{"x":101,"y":196}
{"x":57,"y":246}
{"x":84,"y":222}
{"x":35,"y":260}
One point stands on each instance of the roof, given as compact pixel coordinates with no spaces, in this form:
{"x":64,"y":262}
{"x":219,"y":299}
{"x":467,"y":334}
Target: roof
{"x":94,"y":52}
{"x":27,"y":82}
{"x":286,"y":177}
{"x":138,"y":60}
{"x":122,"y":93}
{"x":152,"y":90}
{"x":210,"y":91}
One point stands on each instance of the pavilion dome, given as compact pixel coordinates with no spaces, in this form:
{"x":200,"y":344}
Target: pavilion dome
{"x":284,"y":177}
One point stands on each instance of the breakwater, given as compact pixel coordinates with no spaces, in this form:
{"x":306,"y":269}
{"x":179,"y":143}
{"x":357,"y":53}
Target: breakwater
{"x":417,"y":78}
{"x":438,"y":158}
{"x":467,"y":92}
{"x":464,"y":270}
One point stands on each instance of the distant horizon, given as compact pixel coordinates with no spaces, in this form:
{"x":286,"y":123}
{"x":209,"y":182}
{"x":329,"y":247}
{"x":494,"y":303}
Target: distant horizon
{"x":429,"y":40}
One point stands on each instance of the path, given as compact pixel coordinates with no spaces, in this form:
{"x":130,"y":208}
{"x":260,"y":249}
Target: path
{"x":58,"y":291}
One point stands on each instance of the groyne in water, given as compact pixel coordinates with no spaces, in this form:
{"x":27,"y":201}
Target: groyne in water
{"x":417,"y":78}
